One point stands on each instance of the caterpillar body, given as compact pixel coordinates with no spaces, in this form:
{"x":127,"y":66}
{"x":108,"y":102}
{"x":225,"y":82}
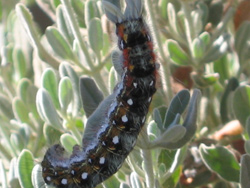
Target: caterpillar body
{"x":101,"y":156}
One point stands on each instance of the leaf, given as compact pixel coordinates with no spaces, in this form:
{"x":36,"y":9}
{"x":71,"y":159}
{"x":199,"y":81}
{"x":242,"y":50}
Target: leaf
{"x":25,"y":164}
{"x":91,"y":11}
{"x":37,"y":179}
{"x":59,"y":44}
{"x":220,"y":160}
{"x":91,"y":95}
{"x":19,"y":63}
{"x":135,"y":181}
{"x":68,"y":142}
{"x":245,"y":171}
{"x":95,"y":35}
{"x":65,"y":92}
{"x":49,"y":82}
{"x":177,"y":54}
{"x":242,"y":40}
{"x":177,"y":106}
{"x":20,"y":110}
{"x":46,"y":109}
{"x":3,"y":176}
{"x":241,"y":104}
{"x":226,"y":100}
{"x":189,"y":122}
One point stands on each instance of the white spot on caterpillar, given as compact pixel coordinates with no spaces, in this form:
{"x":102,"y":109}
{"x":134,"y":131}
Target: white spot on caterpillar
{"x":135,"y":84}
{"x":149,"y":99}
{"x":48,"y":178}
{"x":89,"y":160}
{"x":151,"y":83}
{"x":84,"y":175}
{"x":130,"y":102}
{"x":115,"y":140}
{"x":143,"y":119}
{"x":64,"y":181}
{"x":102,"y":160}
{"x":124,"y":119}
{"x":55,"y":173}
{"x":72,"y":172}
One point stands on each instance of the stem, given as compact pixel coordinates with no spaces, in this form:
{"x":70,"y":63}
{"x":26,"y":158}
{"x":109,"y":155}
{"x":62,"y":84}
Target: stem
{"x":78,"y":37}
{"x":166,"y":65}
{"x":148,"y":167}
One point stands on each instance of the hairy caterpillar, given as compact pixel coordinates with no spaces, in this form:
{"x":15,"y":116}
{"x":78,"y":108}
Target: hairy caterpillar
{"x":104,"y":150}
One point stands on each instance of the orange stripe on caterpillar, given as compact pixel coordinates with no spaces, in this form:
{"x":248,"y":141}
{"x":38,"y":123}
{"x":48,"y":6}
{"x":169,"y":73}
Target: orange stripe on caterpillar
{"x":106,"y":145}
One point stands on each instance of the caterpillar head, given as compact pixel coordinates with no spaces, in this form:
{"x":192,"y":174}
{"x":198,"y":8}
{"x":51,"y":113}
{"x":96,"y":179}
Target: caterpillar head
{"x":130,"y":27}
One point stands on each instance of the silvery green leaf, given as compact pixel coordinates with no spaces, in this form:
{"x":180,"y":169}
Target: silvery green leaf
{"x":241,"y":104}
{"x":135,"y":181}
{"x":78,"y":6}
{"x":242,"y":40}
{"x":65,"y":93}
{"x":20,"y":110}
{"x":245,"y":171}
{"x":170,"y":136}
{"x":189,"y":122}
{"x":17,"y":141}
{"x":172,"y":17}
{"x":19,"y":63}
{"x":3,"y":176}
{"x":49,"y":82}
{"x":68,"y":142}
{"x":95,"y":35}
{"x":91,"y":95}
{"x":177,"y":54}
{"x":226,"y":112}
{"x":66,"y":70}
{"x":59,"y":44}
{"x":133,"y":9}
{"x":112,"y":12}
{"x":222,"y":161}
{"x":46,"y":109}
{"x":25,"y":164}
{"x":51,"y":134}
{"x":5,"y":107}
{"x":37,"y":179}
{"x":157,"y":118}
{"x":217,"y":50}
{"x":177,"y":106}
{"x":91,"y":11}
{"x":63,"y":24}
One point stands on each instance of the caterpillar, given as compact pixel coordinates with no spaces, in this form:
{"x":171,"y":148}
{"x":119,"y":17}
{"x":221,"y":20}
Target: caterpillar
{"x":104,"y":150}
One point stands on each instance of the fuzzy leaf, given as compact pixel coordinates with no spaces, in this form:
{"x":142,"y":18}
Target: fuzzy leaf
{"x":49,"y":82}
{"x":226,"y":100}
{"x":91,"y":95}
{"x":91,"y":11}
{"x":19,"y":63}
{"x":242,"y":40}
{"x":46,"y":109}
{"x":20,"y":110}
{"x":177,"y":54}
{"x":241,"y":104}
{"x":245,"y":171}
{"x":135,"y":181}
{"x":65,"y":92}
{"x":220,"y":160}
{"x":4,"y":183}
{"x":5,"y":107}
{"x":68,"y":142}
{"x":177,"y":106}
{"x":95,"y":35}
{"x":25,"y":164}
{"x":51,"y":134}
{"x":189,"y":122}
{"x":59,"y":44}
{"x":37,"y":179}
{"x":66,"y":70}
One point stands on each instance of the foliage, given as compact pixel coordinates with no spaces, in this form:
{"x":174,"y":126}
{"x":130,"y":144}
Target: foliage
{"x":53,"y":77}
